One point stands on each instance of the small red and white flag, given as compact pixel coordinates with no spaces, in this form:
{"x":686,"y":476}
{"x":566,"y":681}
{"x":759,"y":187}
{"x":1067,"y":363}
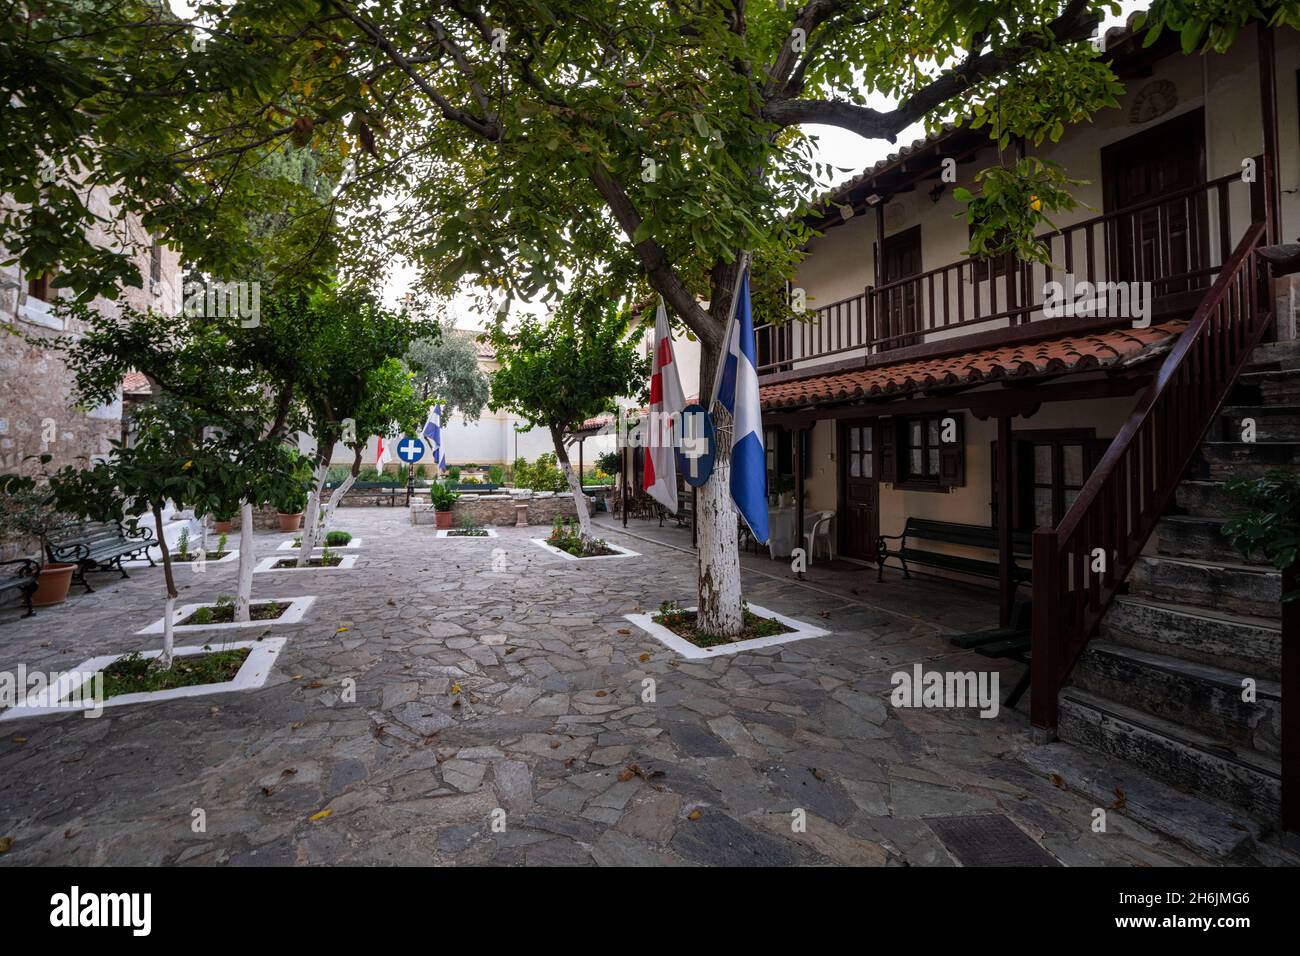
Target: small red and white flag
{"x":666,"y":404}
{"x":382,"y":457}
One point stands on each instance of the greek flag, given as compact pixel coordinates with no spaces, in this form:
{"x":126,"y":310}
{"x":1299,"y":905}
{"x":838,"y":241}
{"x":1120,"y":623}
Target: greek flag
{"x":433,"y":432}
{"x":738,"y":394}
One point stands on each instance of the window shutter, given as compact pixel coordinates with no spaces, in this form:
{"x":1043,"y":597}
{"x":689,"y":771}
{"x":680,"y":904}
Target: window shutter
{"x":952,"y":457}
{"x":888,"y":432}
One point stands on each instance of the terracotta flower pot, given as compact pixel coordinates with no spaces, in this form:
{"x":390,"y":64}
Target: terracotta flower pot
{"x":443,"y":518}
{"x":223,"y":527}
{"x":52,"y":584}
{"x":290,"y":522}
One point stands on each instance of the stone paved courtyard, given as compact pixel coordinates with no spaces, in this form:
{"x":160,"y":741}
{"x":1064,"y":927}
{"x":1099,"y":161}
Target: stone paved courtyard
{"x":552,"y":728}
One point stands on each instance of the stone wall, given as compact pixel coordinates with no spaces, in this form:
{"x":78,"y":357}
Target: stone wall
{"x":38,"y":413}
{"x":499,"y":510}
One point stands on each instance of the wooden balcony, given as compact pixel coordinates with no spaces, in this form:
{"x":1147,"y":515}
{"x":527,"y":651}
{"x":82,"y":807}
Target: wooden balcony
{"x":1176,"y":244}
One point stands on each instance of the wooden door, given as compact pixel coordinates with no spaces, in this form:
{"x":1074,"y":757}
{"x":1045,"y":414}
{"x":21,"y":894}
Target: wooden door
{"x":859,"y":523}
{"x":1165,"y":244}
{"x":901,"y":258}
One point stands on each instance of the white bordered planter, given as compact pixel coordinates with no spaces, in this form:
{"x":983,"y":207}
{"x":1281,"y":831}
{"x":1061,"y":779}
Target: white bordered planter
{"x":451,"y":533}
{"x":268,"y":565}
{"x":252,"y":674}
{"x":289,"y":546}
{"x":800,"y":632}
{"x":293,"y":614}
{"x":232,"y":554}
{"x":622,"y":552}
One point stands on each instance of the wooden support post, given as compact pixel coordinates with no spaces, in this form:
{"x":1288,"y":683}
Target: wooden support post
{"x":623,"y":473}
{"x":1268,"y":115}
{"x":798,"y":493}
{"x":1044,"y":648}
{"x":1006,"y":586}
{"x":1291,"y":713}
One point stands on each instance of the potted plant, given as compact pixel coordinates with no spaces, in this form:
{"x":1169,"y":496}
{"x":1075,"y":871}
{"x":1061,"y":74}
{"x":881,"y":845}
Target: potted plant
{"x":27,"y":514}
{"x":290,"y":508}
{"x":442,"y":498}
{"x":222,"y":525}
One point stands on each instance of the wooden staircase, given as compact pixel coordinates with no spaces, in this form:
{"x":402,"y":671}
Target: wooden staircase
{"x":1162,"y":685}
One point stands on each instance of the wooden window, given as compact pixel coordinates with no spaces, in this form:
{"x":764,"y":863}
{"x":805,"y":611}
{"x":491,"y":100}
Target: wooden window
{"x":41,"y":288}
{"x":913,"y":454}
{"x":1049,"y":469}
{"x":778,"y":447}
{"x":861,"y":460}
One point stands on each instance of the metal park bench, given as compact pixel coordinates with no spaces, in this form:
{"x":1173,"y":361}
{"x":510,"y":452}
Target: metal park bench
{"x":98,"y":546}
{"x":378,"y":492}
{"x":22,"y":578}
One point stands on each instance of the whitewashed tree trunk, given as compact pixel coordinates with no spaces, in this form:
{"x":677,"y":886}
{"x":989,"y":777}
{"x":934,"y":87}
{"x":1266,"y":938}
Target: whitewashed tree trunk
{"x":327,"y":509}
{"x":244,"y":594}
{"x":313,"y":528}
{"x":719,"y":559}
{"x":165,"y":660}
{"x":575,"y":485}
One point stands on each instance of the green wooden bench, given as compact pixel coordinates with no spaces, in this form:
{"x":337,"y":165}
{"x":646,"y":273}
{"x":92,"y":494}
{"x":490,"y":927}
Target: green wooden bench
{"x":21,"y":578}
{"x":950,"y":532}
{"x":98,"y":546}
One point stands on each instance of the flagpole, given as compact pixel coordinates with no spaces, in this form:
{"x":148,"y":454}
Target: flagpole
{"x":726,"y":332}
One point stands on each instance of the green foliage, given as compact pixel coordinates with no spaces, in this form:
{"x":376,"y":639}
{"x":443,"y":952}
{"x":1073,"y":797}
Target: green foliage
{"x":567,"y":536}
{"x":1011,"y":208}
{"x":442,"y":497}
{"x":27,"y":510}
{"x":134,"y":674}
{"x":1214,"y":25}
{"x":541,"y":475}
{"x":496,"y":475}
{"x":1271,"y":522}
{"x":610,"y":463}
{"x":337,"y":539}
{"x":447,"y":370}
{"x":453,"y":473}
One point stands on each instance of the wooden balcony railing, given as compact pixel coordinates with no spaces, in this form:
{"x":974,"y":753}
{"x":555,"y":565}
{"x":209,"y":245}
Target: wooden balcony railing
{"x":1177,"y":243}
{"x":1080,"y":565}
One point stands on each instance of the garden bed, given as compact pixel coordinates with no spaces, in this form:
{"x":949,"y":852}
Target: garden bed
{"x":223,"y":557}
{"x":263,"y":611}
{"x":317,"y":562}
{"x":675,"y":628}
{"x":127,"y":679}
{"x":295,"y":544}
{"x":466,"y":533}
{"x":608,"y":551}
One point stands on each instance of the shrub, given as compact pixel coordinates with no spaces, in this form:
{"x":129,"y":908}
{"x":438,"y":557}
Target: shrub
{"x":336,"y":539}
{"x":1271,"y":522}
{"x":496,"y":475}
{"x":541,"y":475}
{"x":453,"y":473}
{"x":442,"y":497}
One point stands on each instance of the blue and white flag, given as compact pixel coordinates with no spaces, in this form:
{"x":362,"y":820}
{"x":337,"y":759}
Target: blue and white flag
{"x":433,"y":432}
{"x":738,"y":394}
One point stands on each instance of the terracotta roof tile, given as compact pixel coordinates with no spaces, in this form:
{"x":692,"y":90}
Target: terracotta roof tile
{"x":1071,"y":353}
{"x":136,"y":383}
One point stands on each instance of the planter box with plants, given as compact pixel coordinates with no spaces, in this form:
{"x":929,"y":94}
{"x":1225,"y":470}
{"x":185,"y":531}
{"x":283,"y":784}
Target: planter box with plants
{"x":220,"y":614}
{"x":566,"y":541}
{"x":467,"y":526}
{"x":675,"y":628}
{"x":184,"y":554}
{"x":323,"y":560}
{"x":334,"y":539}
{"x":442,"y":498}
{"x":134,"y":678}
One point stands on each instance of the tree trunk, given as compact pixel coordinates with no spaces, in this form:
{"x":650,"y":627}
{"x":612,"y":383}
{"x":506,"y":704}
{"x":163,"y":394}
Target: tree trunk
{"x":720,"y":600}
{"x":313,"y":525}
{"x":244,"y":594}
{"x":165,"y":661}
{"x":575,"y":485}
{"x":327,"y":510}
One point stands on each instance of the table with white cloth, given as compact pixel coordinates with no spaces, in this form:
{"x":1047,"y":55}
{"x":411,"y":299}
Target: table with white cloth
{"x":781,"y":530}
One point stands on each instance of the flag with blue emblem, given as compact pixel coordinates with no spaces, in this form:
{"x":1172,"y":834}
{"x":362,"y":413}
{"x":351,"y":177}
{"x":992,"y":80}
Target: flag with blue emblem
{"x":433,"y":432}
{"x":738,"y":394}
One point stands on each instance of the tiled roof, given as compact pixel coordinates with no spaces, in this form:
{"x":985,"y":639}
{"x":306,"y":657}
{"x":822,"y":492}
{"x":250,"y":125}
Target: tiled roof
{"x":1070,"y":353}
{"x":482,"y":347}
{"x":136,"y":383}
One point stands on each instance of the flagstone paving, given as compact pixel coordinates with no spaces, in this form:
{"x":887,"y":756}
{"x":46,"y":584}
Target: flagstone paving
{"x":549,"y":754}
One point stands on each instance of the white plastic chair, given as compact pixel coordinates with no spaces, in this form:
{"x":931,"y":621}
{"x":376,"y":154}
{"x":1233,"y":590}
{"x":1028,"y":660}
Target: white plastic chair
{"x":823,"y":529}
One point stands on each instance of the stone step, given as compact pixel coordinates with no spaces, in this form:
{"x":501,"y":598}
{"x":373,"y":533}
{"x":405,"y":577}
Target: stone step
{"x":1234,"y":588}
{"x":1273,"y":423}
{"x":1192,"y":536}
{"x":1200,"y":696}
{"x":1223,"y":460}
{"x":1208,"y":499}
{"x":1276,"y":355}
{"x":1170,"y":752}
{"x":1249,"y":644}
{"x":1274,"y":387}
{"x":1208,"y":827}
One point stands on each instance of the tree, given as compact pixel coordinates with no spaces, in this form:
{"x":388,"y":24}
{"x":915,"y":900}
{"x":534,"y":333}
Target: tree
{"x":557,"y":373}
{"x":447,"y":371}
{"x":564,"y":135}
{"x":356,"y":386}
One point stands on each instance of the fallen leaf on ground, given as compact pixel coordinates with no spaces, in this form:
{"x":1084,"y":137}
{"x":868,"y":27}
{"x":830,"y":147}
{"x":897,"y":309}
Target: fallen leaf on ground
{"x":320,"y":816}
{"x":693,"y":815}
{"x":643,"y":658}
{"x":6,"y":844}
